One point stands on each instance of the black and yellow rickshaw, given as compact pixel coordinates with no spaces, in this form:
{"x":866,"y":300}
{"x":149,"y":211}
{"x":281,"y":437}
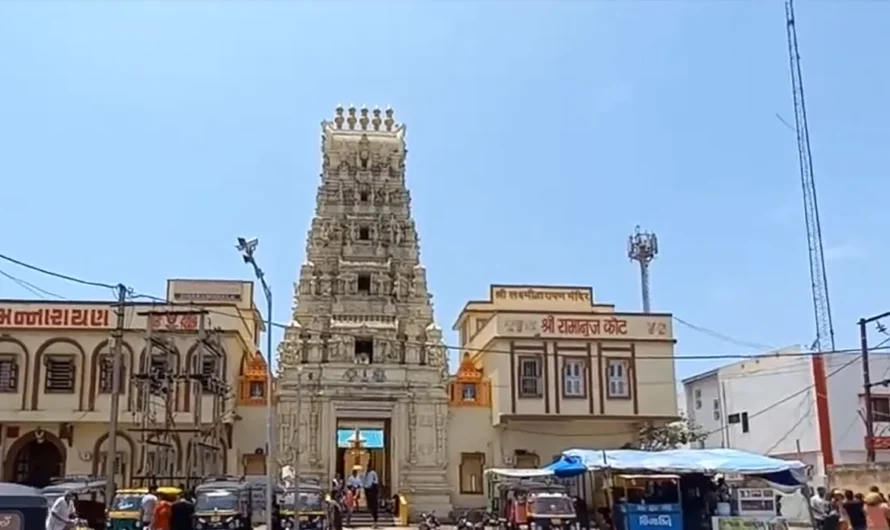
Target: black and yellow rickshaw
{"x":550,"y":509}
{"x":22,"y":507}
{"x":223,"y":503}
{"x":124,"y":510}
{"x":523,"y":502}
{"x":309,"y":500}
{"x":88,"y":498}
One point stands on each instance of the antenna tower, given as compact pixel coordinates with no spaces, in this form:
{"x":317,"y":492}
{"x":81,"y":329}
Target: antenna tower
{"x":642,"y":247}
{"x":818,"y":276}
{"x":158,"y":383}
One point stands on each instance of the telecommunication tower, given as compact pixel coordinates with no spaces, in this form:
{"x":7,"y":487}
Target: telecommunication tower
{"x":818,"y":276}
{"x":642,"y":247}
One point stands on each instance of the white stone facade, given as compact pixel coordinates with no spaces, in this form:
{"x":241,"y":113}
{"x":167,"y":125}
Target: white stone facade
{"x":363,"y":342}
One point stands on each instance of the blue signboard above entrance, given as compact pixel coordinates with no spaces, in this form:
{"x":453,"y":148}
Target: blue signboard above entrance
{"x":367,"y":438}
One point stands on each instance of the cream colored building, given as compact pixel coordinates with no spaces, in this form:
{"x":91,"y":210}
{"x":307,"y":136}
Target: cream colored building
{"x":547,"y":369}
{"x":56,"y":384}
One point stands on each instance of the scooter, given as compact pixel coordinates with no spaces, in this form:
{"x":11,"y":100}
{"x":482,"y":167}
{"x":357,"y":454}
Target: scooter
{"x":428,"y":521}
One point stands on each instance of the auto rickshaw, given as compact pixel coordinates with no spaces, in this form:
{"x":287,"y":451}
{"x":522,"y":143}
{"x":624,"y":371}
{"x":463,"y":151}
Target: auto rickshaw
{"x":124,"y":510}
{"x":310,"y":499}
{"x":527,"y":504}
{"x":89,"y":498}
{"x":21,"y":507}
{"x":224,"y":503}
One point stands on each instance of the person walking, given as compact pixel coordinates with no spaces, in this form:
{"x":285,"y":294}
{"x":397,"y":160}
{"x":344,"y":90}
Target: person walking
{"x":147,"y":507}
{"x":372,"y":493}
{"x":60,"y":516}
{"x":855,"y":511}
{"x":163,"y":513}
{"x":819,"y":506}
{"x":182,"y":513}
{"x":877,"y":513}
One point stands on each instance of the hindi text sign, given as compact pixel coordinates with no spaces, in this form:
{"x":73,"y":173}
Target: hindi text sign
{"x":55,"y":317}
{"x":553,"y":295}
{"x":584,"y":326}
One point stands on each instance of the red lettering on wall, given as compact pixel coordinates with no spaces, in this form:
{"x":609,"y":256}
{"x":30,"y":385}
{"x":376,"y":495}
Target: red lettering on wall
{"x":54,"y":317}
{"x":174,"y":322}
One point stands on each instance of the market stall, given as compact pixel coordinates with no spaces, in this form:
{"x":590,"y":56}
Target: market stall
{"x":701,"y":489}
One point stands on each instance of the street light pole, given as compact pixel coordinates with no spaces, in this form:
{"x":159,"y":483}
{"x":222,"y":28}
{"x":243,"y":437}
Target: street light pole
{"x":247,"y":248}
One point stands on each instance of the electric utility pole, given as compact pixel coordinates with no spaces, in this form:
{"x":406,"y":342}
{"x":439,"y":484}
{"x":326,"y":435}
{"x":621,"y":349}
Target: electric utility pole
{"x":116,"y":364}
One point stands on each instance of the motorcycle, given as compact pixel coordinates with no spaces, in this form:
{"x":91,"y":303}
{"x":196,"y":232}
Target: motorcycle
{"x":470,"y":521}
{"x":428,"y":521}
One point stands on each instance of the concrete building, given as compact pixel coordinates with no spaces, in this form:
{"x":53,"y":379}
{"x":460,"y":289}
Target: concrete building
{"x":775,"y":403}
{"x":56,"y":383}
{"x":547,"y":369}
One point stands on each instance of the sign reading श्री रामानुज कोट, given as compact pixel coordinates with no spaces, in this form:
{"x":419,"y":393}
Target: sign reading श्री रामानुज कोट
{"x":583,"y":327}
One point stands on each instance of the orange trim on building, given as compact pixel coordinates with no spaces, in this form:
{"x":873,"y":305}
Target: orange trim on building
{"x":820,"y":384}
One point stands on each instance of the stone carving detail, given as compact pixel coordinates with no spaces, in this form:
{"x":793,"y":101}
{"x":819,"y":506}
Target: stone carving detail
{"x":363,"y":226}
{"x":441,"y":434}
{"x":314,"y":420}
{"x":412,"y":431}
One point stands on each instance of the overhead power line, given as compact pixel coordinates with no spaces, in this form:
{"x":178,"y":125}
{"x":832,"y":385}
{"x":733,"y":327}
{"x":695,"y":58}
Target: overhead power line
{"x":30,"y":287}
{"x":56,"y":274}
{"x":447,"y":347}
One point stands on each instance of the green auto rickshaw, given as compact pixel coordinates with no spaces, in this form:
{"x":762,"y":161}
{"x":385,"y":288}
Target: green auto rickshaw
{"x":224,"y":503}
{"x":309,"y":500}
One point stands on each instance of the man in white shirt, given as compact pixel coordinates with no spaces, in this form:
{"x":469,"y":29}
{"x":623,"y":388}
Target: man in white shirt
{"x":60,"y":515}
{"x":372,"y":492}
{"x":819,"y":506}
{"x":354,"y":490}
{"x":147,"y":507}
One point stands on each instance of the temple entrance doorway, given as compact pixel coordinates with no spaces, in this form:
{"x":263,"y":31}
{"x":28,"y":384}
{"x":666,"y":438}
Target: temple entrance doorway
{"x":363,"y":445}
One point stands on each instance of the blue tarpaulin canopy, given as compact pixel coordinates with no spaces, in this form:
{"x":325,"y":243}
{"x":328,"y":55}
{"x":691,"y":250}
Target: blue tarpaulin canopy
{"x":567,"y":466}
{"x":788,"y":473}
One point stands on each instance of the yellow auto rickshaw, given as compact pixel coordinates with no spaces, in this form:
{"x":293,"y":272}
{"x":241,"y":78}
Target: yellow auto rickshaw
{"x":124,"y":509}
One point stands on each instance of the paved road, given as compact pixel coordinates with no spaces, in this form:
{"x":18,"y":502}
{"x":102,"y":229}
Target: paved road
{"x":443,"y":527}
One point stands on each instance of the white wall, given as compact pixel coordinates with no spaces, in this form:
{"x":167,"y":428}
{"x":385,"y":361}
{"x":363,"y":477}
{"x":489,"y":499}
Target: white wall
{"x":700,"y":396}
{"x":847,"y":408}
{"x":778,"y":395}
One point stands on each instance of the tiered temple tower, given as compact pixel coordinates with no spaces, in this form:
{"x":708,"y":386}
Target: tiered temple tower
{"x":363,"y":349}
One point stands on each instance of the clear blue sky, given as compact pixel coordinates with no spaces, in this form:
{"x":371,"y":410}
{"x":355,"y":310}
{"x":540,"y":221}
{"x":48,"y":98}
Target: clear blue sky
{"x":137,"y":140}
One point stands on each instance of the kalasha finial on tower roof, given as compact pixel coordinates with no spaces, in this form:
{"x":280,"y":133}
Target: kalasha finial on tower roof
{"x":361,"y":119}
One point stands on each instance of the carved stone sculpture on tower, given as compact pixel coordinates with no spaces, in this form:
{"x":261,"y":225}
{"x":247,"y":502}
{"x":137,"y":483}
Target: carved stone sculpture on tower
{"x":362,"y":196}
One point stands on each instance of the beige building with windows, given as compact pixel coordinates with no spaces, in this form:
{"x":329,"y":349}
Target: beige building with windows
{"x":547,"y":369}
{"x":56,"y":385}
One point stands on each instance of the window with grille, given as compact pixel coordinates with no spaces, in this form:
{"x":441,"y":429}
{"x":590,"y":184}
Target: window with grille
{"x":208,"y":370}
{"x":618,"y":377}
{"x":9,"y":375}
{"x":529,"y":377}
{"x":880,"y":408}
{"x":573,"y":378}
{"x":60,"y":372}
{"x":106,"y":364}
{"x":119,"y":465}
